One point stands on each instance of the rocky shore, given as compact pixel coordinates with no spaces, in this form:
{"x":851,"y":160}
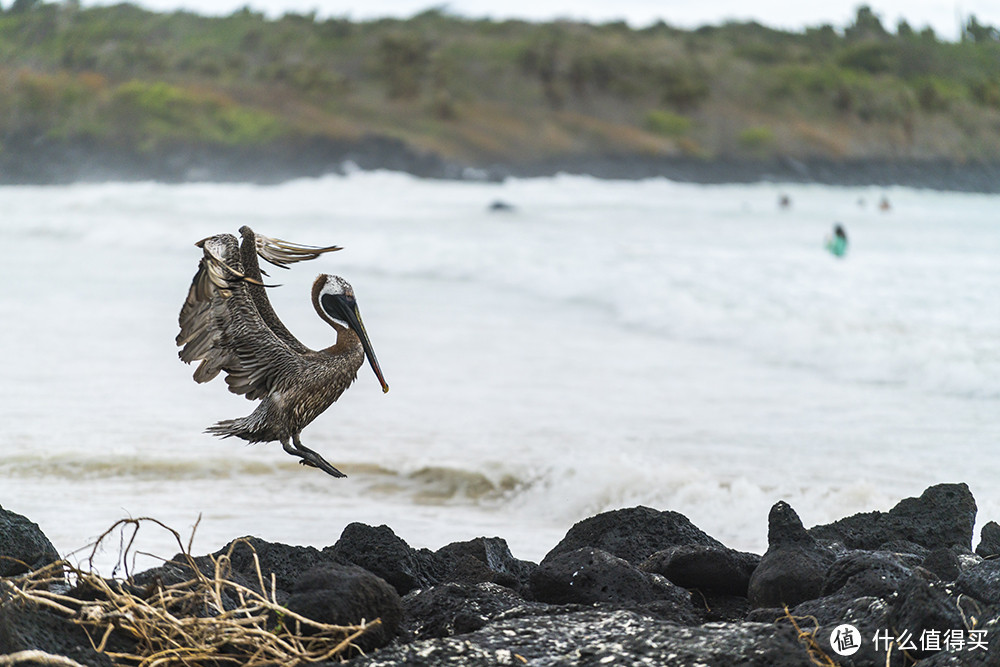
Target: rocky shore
{"x":636,"y":586}
{"x":40,"y":161}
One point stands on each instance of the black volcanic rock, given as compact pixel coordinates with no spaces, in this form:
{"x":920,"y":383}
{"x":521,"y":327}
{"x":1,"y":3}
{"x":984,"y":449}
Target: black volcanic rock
{"x":706,"y":568}
{"x":484,"y":559}
{"x":23,"y":545}
{"x":794,"y":566}
{"x":25,"y":627}
{"x":866,"y":574}
{"x":455,"y":609}
{"x":943,"y":516}
{"x":347,"y":595}
{"x":981,"y":582}
{"x":286,"y":562}
{"x":30,"y":157}
{"x":590,"y":575}
{"x":42,"y":159}
{"x":989,"y":540}
{"x":599,"y":636}
{"x":382,"y":553}
{"x":943,"y":563}
{"x":178,"y":570}
{"x":868,"y":614}
{"x":473,"y":603}
{"x":904,"y":548}
{"x":633,"y":534}
{"x":925,"y":606}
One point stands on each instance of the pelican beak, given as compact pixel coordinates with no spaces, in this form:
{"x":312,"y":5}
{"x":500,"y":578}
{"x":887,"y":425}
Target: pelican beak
{"x":354,"y":321}
{"x":345,"y":310}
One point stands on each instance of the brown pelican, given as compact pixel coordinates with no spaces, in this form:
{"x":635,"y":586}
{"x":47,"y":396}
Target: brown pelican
{"x":227,"y":323}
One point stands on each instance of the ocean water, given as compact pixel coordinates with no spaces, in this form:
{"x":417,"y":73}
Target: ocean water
{"x":603,"y":345}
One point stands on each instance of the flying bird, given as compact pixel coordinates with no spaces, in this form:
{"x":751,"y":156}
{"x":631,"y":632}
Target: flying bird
{"x":228,"y":324}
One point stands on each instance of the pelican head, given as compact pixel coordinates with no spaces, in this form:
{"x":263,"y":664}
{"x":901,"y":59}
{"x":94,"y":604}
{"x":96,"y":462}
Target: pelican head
{"x":334,"y":300}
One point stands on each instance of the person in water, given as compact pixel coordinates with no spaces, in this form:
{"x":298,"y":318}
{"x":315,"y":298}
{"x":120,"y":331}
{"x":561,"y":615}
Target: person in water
{"x":837,"y":243}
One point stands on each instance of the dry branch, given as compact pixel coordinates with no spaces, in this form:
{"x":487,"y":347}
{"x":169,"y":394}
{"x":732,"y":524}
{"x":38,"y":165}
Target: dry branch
{"x":183,"y":623}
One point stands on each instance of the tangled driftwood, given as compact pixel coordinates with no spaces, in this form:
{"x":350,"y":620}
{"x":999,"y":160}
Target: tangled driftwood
{"x":206,"y":620}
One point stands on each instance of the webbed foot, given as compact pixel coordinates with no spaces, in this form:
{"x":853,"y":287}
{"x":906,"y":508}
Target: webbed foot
{"x":310,"y":458}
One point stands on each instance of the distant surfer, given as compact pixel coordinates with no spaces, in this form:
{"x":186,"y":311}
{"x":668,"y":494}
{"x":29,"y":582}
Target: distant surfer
{"x":500,"y":206}
{"x":884,"y":205}
{"x":837,"y":243}
{"x":785,"y":202}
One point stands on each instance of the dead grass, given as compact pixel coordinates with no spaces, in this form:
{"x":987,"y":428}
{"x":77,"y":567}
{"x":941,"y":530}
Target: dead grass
{"x":186,"y":623}
{"x":807,"y":637}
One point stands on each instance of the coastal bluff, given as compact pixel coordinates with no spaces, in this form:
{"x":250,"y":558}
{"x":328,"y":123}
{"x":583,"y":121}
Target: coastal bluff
{"x":635,"y":586}
{"x":47,"y":162}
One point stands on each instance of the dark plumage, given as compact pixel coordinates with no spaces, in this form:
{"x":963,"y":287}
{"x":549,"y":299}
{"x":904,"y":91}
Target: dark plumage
{"x":228,"y":324}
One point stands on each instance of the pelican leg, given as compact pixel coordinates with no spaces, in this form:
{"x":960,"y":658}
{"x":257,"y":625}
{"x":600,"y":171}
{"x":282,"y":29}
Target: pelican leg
{"x":309,"y":457}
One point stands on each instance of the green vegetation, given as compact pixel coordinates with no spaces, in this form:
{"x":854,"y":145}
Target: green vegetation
{"x":160,"y":110}
{"x":756,"y":139}
{"x":481,"y":91}
{"x":667,"y":123}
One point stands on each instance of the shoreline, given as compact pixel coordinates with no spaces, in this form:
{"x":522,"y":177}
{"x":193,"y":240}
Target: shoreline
{"x":634,"y":586}
{"x":42,"y":162}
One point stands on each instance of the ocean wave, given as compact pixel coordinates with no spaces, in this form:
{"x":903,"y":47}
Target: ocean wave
{"x":90,"y":468}
{"x":733,"y":509}
{"x":434,"y":485}
{"x":427,"y":485}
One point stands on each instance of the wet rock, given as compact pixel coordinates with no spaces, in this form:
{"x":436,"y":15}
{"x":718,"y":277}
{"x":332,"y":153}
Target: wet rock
{"x":714,"y":607}
{"x":23,"y":545}
{"x":709,"y":569}
{"x":968,"y":561}
{"x":793,"y":568}
{"x":473,"y":603}
{"x":866,"y":573}
{"x":382,"y":553}
{"x":943,"y":516}
{"x":989,"y":540}
{"x":924,"y":606}
{"x":979,"y":658}
{"x":484,"y":559}
{"x":981,"y":582}
{"x":454,"y":609}
{"x":601,"y":636}
{"x":347,"y":595}
{"x":633,"y":534}
{"x":590,"y":575}
{"x":868,"y":614}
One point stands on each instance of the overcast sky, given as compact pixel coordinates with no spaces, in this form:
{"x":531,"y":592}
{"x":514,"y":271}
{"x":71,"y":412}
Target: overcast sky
{"x":941,"y":15}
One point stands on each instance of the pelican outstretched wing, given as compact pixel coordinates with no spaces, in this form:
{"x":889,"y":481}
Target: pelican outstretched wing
{"x":221,"y":327}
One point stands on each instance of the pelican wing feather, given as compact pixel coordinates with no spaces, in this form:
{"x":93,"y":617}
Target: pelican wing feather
{"x":221,"y":327}
{"x":282,"y":253}
{"x":250,"y":248}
